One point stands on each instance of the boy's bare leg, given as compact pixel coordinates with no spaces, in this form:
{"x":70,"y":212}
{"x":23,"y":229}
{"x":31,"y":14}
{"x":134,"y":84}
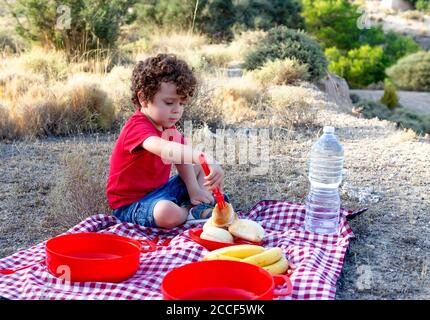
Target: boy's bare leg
{"x":168,"y":214}
{"x":200,"y":175}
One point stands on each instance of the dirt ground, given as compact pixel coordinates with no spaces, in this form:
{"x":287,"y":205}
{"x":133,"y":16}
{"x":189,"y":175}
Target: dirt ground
{"x":386,"y":170}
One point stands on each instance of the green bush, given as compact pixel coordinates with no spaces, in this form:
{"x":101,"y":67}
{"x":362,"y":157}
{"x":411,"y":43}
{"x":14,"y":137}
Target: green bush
{"x":403,"y":117}
{"x":390,"y":98}
{"x":360,"y":67}
{"x":212,"y":17}
{"x":412,"y":72}
{"x":423,"y":5}
{"x":282,"y":43}
{"x":334,"y":23}
{"x":9,"y":44}
{"x":397,"y":46}
{"x":360,"y":70}
{"x":409,"y":119}
{"x":372,"y":109}
{"x":94,"y":24}
{"x":264,"y":15}
{"x":216,"y":18}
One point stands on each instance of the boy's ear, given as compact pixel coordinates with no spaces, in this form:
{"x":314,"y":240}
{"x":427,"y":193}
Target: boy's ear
{"x":142,"y":101}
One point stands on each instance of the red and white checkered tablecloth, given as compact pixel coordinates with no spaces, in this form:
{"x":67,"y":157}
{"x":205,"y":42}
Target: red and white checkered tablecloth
{"x":316,"y":259}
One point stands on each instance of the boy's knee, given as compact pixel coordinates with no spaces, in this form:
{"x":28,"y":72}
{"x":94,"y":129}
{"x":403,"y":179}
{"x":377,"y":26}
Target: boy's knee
{"x":168,"y":215}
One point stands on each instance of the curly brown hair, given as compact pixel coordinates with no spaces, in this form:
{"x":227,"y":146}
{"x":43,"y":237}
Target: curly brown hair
{"x":149,"y":74}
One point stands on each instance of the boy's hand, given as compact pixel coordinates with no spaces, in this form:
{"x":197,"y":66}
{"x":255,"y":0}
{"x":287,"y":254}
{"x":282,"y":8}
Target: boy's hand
{"x":215,"y":178}
{"x":201,"y":196}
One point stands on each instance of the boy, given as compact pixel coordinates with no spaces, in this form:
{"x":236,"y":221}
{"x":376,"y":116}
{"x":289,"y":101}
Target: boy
{"x":138,"y":187}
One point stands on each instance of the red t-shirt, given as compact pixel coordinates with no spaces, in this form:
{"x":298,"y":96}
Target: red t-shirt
{"x":134,"y":171}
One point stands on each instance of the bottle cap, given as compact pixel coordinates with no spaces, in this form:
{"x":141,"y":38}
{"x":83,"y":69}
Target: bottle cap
{"x":328,"y":129}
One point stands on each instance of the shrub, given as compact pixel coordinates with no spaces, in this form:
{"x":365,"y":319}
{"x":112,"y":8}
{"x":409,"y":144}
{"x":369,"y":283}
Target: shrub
{"x":51,"y":65}
{"x":9,"y":128}
{"x":390,"y":98}
{"x":9,"y":44}
{"x":216,"y":19}
{"x":373,"y":109}
{"x":61,"y":110}
{"x":281,"y":43}
{"x":80,"y":190}
{"x":238,"y":100}
{"x":203,"y":109}
{"x":278,"y":72}
{"x":218,"y":56}
{"x":412,"y":72}
{"x":94,"y":24}
{"x":264,"y":15}
{"x":334,"y":23}
{"x":423,"y":5}
{"x":212,"y":17}
{"x":403,"y":117}
{"x":295,"y":106}
{"x":245,"y":41}
{"x":357,"y":69}
{"x":397,"y":46}
{"x":360,"y":67}
{"x":15,"y":84}
{"x":409,"y":119}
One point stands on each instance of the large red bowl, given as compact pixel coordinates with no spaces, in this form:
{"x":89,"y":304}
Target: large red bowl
{"x":98,"y":257}
{"x":223,"y":280}
{"x":213,"y":245}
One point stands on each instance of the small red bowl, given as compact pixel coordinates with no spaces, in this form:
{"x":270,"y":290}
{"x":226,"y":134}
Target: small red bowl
{"x":213,"y":245}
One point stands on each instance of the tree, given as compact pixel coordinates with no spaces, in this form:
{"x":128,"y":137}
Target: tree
{"x":360,"y":67}
{"x":266,"y":14}
{"x":75,"y":26}
{"x":333,"y":22}
{"x":212,"y":17}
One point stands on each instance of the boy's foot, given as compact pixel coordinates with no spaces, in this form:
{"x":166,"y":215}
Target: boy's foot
{"x":201,"y":212}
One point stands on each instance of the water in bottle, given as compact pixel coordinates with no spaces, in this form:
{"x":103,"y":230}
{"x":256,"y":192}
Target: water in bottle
{"x":325,"y":176}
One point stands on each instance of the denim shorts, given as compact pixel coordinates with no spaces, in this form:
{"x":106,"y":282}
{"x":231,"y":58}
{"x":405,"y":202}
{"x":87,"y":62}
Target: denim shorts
{"x":142,"y":212}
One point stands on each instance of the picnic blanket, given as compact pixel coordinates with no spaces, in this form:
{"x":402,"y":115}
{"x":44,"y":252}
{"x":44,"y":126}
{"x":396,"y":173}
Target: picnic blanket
{"x":316,"y":259}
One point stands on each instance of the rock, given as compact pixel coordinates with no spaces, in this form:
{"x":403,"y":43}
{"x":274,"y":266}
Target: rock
{"x":361,"y":194}
{"x":337,"y":91}
{"x":235,"y":69}
{"x":396,"y":5}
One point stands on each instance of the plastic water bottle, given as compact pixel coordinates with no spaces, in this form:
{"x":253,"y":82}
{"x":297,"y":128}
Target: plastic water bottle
{"x":325,"y":176}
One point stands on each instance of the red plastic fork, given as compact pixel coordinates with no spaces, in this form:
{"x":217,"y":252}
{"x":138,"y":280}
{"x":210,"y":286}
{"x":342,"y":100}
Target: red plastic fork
{"x":219,"y":198}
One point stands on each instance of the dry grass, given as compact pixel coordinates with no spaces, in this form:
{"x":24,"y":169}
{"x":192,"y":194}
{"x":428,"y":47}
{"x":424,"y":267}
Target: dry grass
{"x":295,"y":106}
{"x":413,"y":15}
{"x":203,"y":108}
{"x":80,"y":190}
{"x":244,"y":41}
{"x":50,"y":64}
{"x":63,"y":108}
{"x":15,"y":85}
{"x":279,"y":72}
{"x":240,"y":100}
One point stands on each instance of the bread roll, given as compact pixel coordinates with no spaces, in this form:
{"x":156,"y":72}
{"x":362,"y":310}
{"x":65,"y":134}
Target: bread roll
{"x":247,"y":229}
{"x":211,"y":224}
{"x":223,"y":217}
{"x":216,"y":234}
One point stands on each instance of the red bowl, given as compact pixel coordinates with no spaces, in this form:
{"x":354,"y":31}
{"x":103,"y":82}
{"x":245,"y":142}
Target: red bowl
{"x":213,"y":245}
{"x":223,"y":280}
{"x":97,"y":257}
